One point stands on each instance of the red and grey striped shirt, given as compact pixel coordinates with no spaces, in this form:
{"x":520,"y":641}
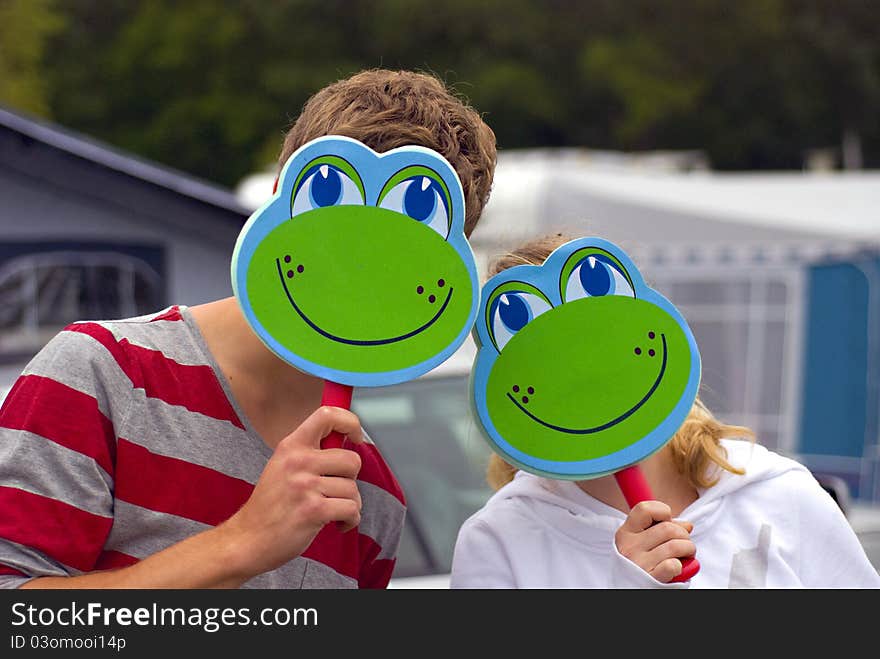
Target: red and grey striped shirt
{"x":122,"y":438}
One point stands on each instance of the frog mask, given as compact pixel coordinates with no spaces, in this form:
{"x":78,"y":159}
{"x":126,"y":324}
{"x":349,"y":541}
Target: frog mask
{"x":357,"y":269}
{"x":582,"y":369}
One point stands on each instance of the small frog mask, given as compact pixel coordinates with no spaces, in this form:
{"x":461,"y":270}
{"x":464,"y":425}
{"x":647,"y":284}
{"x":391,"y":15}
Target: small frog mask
{"x":582,"y":369}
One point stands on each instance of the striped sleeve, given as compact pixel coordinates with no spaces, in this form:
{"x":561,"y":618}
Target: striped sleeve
{"x":57,"y":456}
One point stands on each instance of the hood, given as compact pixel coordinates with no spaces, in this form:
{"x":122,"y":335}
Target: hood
{"x":759,"y":463}
{"x":565,"y":506}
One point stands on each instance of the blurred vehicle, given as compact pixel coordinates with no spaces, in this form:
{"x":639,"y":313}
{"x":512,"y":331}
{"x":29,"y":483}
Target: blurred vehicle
{"x":865,"y":520}
{"x":425,"y":431}
{"x":863,"y":516}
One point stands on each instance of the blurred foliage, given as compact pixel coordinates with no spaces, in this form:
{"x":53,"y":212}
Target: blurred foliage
{"x":209,"y":86}
{"x":25,"y":27}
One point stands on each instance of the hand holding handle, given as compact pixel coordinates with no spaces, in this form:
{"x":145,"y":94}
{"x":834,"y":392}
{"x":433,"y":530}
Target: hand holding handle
{"x":636,"y":489}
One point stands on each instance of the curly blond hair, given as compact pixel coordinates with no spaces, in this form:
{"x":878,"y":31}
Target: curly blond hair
{"x":695,"y":448}
{"x":386,"y":109}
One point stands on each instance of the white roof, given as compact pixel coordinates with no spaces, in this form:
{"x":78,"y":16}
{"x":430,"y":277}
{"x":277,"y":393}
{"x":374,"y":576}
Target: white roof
{"x":649,"y":197}
{"x":832,"y":203}
{"x":837,"y":205}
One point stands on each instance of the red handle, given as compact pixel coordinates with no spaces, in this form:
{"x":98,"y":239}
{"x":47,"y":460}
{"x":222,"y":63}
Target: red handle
{"x":635,"y":489}
{"x":335,"y":395}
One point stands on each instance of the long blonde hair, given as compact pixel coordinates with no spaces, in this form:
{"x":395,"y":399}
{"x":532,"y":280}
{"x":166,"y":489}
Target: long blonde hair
{"x":695,"y":448}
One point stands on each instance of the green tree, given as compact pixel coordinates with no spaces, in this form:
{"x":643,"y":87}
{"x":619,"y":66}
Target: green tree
{"x":25,"y":27}
{"x":840,"y":43}
{"x":208,"y":86}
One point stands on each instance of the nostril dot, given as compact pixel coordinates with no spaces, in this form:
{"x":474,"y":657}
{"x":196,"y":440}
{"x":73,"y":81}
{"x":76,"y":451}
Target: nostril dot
{"x":431,"y":299}
{"x":441,"y":283}
{"x":300,"y":268}
{"x":516,"y":388}
{"x":638,"y":351}
{"x":420,"y":290}
{"x":287,"y":259}
{"x":289,"y":274}
{"x":525,"y":399}
{"x":531,"y":390}
{"x":651,"y":353}
{"x":650,"y":335}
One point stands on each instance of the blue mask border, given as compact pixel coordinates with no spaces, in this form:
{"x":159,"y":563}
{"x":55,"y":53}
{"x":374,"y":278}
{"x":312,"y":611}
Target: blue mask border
{"x":546,"y":278}
{"x":375,"y":169}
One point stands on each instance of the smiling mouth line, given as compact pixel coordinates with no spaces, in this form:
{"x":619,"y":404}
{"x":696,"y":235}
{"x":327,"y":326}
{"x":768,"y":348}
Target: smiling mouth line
{"x":625,"y":415}
{"x":359,"y":342}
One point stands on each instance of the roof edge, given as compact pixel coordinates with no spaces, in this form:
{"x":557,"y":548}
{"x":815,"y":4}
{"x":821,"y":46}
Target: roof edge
{"x":118,"y":160}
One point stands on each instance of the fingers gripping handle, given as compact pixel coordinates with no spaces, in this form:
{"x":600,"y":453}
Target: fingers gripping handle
{"x":635,"y":489}
{"x":335,"y":395}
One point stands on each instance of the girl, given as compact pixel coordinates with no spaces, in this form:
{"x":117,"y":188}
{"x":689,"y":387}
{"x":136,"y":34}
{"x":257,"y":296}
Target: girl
{"x":755,"y":519}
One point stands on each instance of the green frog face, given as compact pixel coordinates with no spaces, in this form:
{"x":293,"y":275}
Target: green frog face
{"x":357,"y":270}
{"x":582,"y":368}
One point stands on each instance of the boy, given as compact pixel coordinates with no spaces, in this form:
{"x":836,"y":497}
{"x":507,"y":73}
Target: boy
{"x":176,"y":451}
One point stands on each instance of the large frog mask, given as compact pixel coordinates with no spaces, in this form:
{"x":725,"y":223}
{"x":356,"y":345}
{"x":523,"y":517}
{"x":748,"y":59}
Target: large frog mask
{"x":357,"y":269}
{"x":582,"y":369}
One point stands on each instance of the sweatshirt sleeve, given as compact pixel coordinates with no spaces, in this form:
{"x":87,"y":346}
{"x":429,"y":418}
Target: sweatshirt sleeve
{"x":831,"y":554}
{"x":479,"y":559}
{"x":57,"y":449}
{"x":626,"y":575}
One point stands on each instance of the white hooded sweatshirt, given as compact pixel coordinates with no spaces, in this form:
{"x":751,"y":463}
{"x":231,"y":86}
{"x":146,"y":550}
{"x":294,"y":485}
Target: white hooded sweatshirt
{"x":774,"y":527}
